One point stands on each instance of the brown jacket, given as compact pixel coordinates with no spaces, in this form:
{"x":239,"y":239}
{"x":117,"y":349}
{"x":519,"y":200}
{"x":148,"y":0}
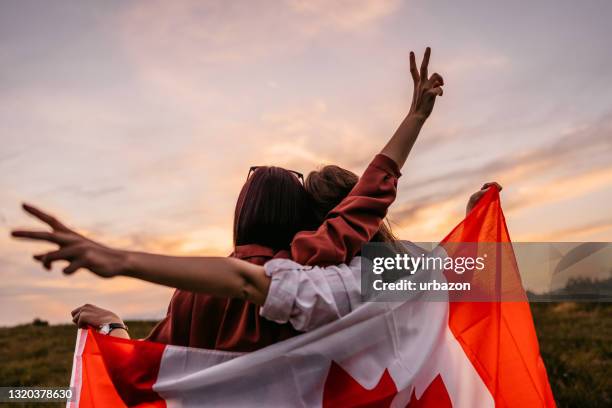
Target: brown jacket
{"x":198,"y":320}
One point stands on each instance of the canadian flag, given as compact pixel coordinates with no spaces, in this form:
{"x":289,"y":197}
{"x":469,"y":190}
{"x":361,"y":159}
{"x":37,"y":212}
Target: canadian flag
{"x":415,"y":353}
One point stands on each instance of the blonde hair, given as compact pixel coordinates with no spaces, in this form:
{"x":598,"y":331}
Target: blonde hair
{"x":329,"y":186}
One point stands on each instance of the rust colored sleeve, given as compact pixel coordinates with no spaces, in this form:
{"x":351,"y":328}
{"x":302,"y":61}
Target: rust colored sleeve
{"x":354,"y":221}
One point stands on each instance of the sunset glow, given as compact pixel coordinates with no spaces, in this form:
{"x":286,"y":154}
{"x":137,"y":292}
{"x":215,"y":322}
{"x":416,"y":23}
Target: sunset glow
{"x":137,"y":122}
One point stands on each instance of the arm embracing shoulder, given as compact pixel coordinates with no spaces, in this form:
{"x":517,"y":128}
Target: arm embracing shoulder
{"x":354,"y":221}
{"x":358,"y":217}
{"x":309,"y":297}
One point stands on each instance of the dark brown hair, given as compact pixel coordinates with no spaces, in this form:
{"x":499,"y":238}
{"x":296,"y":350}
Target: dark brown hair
{"x":328,"y":186}
{"x":272,"y":207}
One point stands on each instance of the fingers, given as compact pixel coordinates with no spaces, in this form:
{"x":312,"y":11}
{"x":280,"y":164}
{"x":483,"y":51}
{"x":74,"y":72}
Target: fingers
{"x":495,"y":184}
{"x":436,"y":80}
{"x":77,"y":316}
{"x":77,"y":310}
{"x":425,"y":63}
{"x":423,"y":74}
{"x":81,"y":315}
{"x":434,"y":85}
{"x":66,"y":254}
{"x":74,"y":266}
{"x":91,"y":315}
{"x":413,"y":68}
{"x":59,"y":238}
{"x":438,"y":91}
{"x":474,"y":199}
{"x":44,"y":217}
{"x":477,"y":195}
{"x":37,"y":235}
{"x":82,"y":319}
{"x":41,"y":258}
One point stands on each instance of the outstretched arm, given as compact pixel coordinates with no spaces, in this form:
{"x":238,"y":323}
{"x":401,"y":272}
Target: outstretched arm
{"x":219,"y":276}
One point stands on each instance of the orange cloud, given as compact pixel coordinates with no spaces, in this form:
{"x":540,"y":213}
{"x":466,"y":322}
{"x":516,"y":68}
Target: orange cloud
{"x":535,"y":178}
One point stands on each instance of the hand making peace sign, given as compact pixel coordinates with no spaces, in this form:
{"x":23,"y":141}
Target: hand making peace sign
{"x":426,"y":88}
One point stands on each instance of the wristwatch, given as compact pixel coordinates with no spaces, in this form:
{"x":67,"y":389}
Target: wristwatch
{"x":106,"y":328}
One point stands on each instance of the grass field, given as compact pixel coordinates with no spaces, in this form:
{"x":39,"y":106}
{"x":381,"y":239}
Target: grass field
{"x":575,"y":341}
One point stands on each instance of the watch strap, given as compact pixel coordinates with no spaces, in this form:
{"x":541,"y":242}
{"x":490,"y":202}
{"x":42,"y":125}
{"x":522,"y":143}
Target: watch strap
{"x":113,"y":326}
{"x":107,"y":328}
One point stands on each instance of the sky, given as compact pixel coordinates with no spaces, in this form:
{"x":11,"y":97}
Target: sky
{"x":136,"y":121}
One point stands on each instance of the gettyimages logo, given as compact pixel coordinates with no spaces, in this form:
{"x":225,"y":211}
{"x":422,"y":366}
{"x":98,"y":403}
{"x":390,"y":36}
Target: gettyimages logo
{"x":487,"y":272}
{"x":411,"y":263}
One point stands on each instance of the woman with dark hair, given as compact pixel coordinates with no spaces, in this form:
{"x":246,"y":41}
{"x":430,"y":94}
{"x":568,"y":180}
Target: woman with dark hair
{"x":271,"y":209}
{"x":272,"y":223}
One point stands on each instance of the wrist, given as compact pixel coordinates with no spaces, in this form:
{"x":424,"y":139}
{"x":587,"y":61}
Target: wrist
{"x":116,"y":320}
{"x":108,"y":328}
{"x":117,"y":329}
{"x":417,"y":118}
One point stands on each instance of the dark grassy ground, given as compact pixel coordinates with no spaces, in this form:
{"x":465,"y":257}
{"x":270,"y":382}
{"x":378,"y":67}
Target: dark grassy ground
{"x":576,"y":345}
{"x":38,"y":355}
{"x":575,"y":341}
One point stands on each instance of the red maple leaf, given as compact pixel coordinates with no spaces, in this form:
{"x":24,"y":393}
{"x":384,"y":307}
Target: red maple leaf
{"x":435,"y":395}
{"x":342,"y":390}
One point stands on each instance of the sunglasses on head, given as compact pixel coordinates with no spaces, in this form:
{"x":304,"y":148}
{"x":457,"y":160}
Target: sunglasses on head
{"x":299,"y":175}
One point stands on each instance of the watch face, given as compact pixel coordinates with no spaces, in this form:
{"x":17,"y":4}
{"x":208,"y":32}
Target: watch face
{"x":105,"y":328}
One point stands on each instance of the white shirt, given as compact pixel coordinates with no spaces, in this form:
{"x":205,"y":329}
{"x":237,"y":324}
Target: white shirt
{"x":311,"y":296}
{"x":308,"y":297}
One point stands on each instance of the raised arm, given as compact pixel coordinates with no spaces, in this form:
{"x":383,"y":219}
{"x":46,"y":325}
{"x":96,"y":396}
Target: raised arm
{"x":424,"y":94}
{"x":358,"y":217}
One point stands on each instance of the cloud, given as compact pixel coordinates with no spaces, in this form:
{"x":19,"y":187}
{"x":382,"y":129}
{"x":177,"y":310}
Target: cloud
{"x":212,"y":241}
{"x":309,"y":135}
{"x":572,"y":233}
{"x":479,"y":60}
{"x":535,"y":177}
{"x":222,"y":31}
{"x":342,"y":14}
{"x":86,"y":191}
